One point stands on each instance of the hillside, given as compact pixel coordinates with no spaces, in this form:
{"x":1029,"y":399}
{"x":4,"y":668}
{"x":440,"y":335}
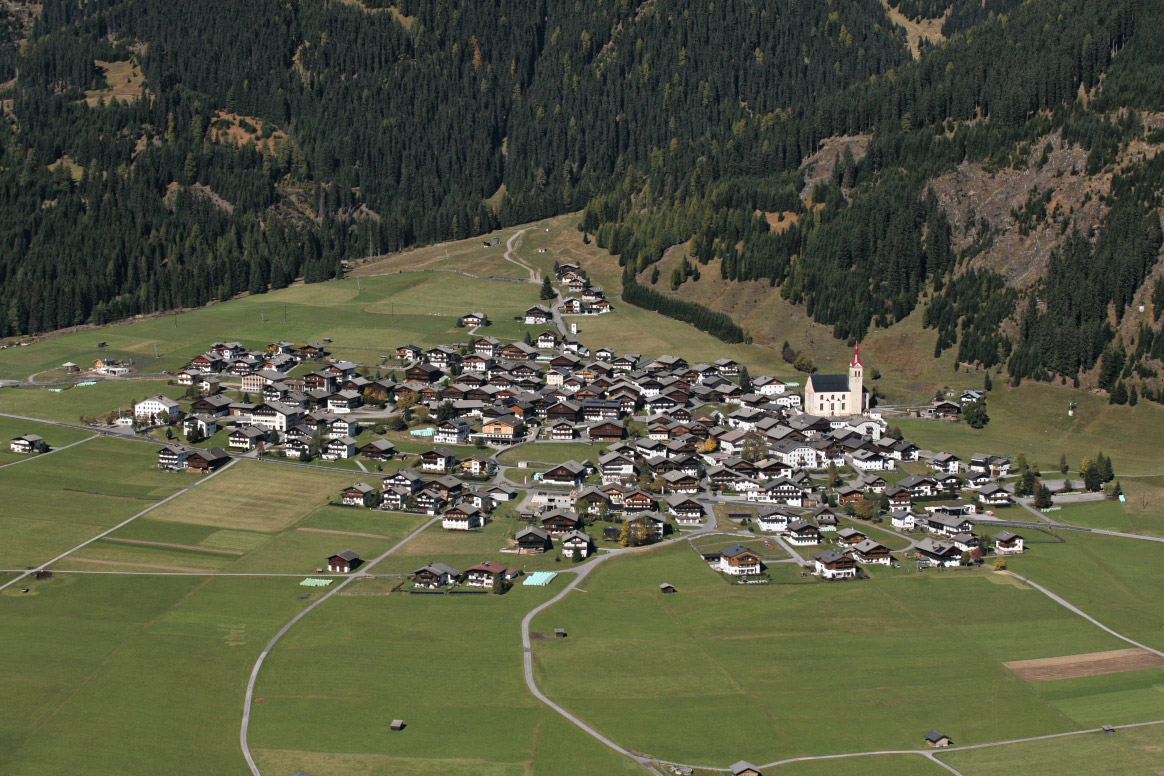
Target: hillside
{"x":1025,"y":229}
{"x":986,"y":171}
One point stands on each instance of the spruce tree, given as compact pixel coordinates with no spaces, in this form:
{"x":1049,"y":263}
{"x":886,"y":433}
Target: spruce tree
{"x":1119,"y":395}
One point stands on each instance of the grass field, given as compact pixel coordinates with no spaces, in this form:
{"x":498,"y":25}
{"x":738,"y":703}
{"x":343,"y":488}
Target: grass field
{"x":758,"y":671}
{"x":59,"y":500}
{"x":255,"y":496}
{"x":89,"y":400}
{"x":55,"y":436}
{"x":366,"y":318}
{"x":554,"y":452}
{"x":1130,"y":517}
{"x":462,"y":549}
{"x":1032,"y":419}
{"x":1116,"y":580}
{"x":1128,"y":752}
{"x":881,"y":765}
{"x":101,"y":666}
{"x":331,"y":688}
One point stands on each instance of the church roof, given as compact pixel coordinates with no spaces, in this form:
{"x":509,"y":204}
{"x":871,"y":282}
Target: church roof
{"x":829,"y":383}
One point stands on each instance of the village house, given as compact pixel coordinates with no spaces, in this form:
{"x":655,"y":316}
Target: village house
{"x":205,"y":461}
{"x":831,"y":564}
{"x":275,"y":416}
{"x":156,"y":410}
{"x":802,"y":533}
{"x":378,"y":450}
{"x":532,"y":540}
{"x":946,"y":462}
{"x":343,"y":562}
{"x":214,"y":406}
{"x":246,"y":437}
{"x":338,"y":449}
{"x":577,"y":542}
{"x":475,"y":318}
{"x":932,"y":553}
{"x":453,"y":432}
{"x":687,"y":511}
{"x":297,"y":449}
{"x":484,"y":573}
{"x":994,"y":495}
{"x":738,"y":561}
{"x":538,"y":315}
{"x":850,"y":537}
{"x":507,"y":428}
{"x":559,"y":522}
{"x":1008,"y":543}
{"x":462,"y":517}
{"x":903,"y":521}
{"x":439,"y":459}
{"x":434,"y":576}
{"x":945,"y":524}
{"x":993,"y":465}
{"x":199,"y":423}
{"x":27,"y":444}
{"x":568,"y":474}
{"x":869,"y":551}
{"x":359,"y":495}
{"x":171,"y":458}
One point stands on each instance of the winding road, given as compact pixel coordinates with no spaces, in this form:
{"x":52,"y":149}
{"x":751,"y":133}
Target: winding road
{"x":512,"y":258}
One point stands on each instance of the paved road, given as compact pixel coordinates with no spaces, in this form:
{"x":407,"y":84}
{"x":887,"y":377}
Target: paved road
{"x":50,"y":452}
{"x":246,"y":718}
{"x":150,"y":508}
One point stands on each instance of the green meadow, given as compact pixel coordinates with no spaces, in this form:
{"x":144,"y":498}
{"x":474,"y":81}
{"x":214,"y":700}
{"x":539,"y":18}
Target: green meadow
{"x":59,"y":500}
{"x":365,"y":317}
{"x":131,"y":674}
{"x":765,"y":673}
{"x":449,"y":666}
{"x":54,"y":436}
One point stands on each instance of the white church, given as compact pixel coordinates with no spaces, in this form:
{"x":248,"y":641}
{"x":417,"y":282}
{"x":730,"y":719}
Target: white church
{"x":838,"y":396}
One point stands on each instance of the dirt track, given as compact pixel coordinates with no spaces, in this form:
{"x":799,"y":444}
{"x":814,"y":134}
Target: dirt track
{"x":344,"y":533}
{"x":1088,"y":664}
{"x":155,"y":566}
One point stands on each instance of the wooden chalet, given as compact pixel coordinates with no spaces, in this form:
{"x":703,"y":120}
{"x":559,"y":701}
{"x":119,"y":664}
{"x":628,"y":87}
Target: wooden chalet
{"x":343,"y":562}
{"x":205,"y":461}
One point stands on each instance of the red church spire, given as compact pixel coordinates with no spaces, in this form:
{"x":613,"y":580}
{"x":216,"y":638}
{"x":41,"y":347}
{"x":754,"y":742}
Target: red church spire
{"x":856,"y":356}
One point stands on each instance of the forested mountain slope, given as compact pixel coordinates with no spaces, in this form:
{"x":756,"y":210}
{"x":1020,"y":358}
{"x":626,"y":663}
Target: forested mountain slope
{"x":399,"y":125}
{"x":1008,"y":182}
{"x":158,"y":153}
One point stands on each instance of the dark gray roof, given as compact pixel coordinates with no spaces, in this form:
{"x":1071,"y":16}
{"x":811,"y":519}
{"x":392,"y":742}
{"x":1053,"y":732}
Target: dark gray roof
{"x":829,"y":383}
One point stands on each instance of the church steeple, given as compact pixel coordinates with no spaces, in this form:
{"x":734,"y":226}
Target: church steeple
{"x":857,"y":382}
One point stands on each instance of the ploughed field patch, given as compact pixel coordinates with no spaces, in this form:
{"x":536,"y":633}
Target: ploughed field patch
{"x":1116,"y":661}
